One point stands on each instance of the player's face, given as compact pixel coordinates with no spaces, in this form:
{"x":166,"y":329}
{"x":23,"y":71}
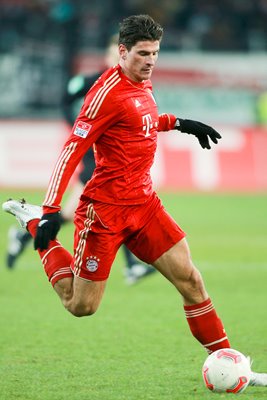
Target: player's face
{"x":138,"y":63}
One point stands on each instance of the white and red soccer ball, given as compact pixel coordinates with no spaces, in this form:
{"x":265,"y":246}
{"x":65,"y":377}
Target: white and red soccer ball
{"x":226,"y":370}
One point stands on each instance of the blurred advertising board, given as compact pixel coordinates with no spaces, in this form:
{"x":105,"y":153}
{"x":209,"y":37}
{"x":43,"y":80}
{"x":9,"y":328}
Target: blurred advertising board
{"x":29,"y":149}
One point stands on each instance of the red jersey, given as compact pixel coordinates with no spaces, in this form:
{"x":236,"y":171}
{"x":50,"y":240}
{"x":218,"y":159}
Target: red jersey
{"x":120,"y":118}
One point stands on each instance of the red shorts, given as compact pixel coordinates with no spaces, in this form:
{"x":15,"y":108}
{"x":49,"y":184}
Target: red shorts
{"x":146,"y":229}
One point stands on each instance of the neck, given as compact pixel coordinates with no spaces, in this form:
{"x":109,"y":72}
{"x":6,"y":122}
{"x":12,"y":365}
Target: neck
{"x":129,"y":75}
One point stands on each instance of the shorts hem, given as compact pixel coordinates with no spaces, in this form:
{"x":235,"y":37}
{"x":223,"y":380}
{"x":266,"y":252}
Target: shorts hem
{"x":84,"y":277}
{"x":169,"y":247}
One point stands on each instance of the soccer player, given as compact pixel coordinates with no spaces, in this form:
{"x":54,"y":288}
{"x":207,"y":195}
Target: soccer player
{"x":77,"y":88}
{"x":118,"y":205}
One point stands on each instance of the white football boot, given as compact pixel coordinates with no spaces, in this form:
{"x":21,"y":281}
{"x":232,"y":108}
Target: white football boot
{"x":23,"y":211}
{"x":257,"y":378}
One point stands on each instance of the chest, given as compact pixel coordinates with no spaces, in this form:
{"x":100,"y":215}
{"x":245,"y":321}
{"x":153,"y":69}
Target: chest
{"x":140,"y":114}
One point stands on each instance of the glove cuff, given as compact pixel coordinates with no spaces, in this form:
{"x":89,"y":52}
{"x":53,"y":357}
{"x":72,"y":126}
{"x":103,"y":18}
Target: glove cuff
{"x":177,"y":124}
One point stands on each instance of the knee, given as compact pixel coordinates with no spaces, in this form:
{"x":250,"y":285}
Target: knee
{"x":193,"y":289}
{"x":81,"y":309}
{"x":195,"y":278}
{"x":188,"y":280}
{"x":185,"y":272}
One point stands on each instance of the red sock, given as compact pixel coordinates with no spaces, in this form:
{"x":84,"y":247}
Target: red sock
{"x":206,"y":326}
{"x":56,"y":260}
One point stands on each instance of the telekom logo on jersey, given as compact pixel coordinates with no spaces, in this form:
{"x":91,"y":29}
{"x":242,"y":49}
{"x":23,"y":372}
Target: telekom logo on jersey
{"x":147,"y":124}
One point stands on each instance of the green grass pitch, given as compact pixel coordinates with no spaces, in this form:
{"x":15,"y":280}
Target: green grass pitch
{"x":137,"y":346}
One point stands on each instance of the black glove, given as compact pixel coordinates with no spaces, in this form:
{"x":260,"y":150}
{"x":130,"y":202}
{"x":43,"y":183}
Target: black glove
{"x":47,"y":230}
{"x":201,"y":131}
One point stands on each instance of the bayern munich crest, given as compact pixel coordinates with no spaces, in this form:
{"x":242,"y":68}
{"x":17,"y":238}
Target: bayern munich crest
{"x":92,"y":263}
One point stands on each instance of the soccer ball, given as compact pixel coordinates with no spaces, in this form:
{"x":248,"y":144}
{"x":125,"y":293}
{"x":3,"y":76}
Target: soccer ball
{"x":226,"y":370}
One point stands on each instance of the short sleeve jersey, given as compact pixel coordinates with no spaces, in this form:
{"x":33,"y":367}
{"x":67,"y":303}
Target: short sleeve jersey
{"x":120,"y":119}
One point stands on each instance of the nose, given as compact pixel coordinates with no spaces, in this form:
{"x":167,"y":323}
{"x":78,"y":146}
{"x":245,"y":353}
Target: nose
{"x":150,"y":59}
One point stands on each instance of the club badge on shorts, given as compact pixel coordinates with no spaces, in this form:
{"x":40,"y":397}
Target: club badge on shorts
{"x":92,"y":263}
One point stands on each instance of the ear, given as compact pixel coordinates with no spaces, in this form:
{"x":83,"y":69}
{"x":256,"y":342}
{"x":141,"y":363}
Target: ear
{"x":123,"y":51}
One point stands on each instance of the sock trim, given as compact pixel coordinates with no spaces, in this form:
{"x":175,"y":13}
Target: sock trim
{"x":60,"y":274}
{"x":49,"y":251}
{"x":199,"y":311}
{"x":198,"y":305}
{"x":216,"y":341}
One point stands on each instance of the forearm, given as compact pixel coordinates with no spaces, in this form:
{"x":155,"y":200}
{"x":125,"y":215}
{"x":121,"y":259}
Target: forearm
{"x":63,"y":171}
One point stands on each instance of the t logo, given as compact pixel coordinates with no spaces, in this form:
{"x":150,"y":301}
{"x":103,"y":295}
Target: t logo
{"x":147,"y":124}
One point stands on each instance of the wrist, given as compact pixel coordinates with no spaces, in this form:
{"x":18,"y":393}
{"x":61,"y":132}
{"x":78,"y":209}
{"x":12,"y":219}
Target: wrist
{"x":177,"y":124}
{"x":50,"y":210}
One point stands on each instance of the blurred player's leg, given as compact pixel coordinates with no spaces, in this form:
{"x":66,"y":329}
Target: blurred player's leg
{"x":18,"y":239}
{"x":135,"y":270}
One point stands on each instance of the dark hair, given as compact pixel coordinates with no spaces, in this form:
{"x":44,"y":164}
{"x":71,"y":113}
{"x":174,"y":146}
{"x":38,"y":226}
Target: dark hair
{"x":139,"y":28}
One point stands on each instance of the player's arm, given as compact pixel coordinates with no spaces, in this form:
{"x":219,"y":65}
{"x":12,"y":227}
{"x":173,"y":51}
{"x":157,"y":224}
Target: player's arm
{"x":84,"y":133}
{"x":69,"y":158}
{"x":203,"y":132}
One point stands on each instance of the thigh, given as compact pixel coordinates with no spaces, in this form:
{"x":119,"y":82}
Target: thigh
{"x":95,"y":245}
{"x":175,"y":264}
{"x":158,"y":234}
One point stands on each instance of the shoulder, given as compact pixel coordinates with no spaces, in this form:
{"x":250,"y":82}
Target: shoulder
{"x":109,"y":79}
{"x":106,"y":84}
{"x":103,"y":95}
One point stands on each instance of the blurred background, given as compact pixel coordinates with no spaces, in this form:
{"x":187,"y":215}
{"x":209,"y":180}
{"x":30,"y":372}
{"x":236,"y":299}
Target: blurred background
{"x":212,"y":67}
